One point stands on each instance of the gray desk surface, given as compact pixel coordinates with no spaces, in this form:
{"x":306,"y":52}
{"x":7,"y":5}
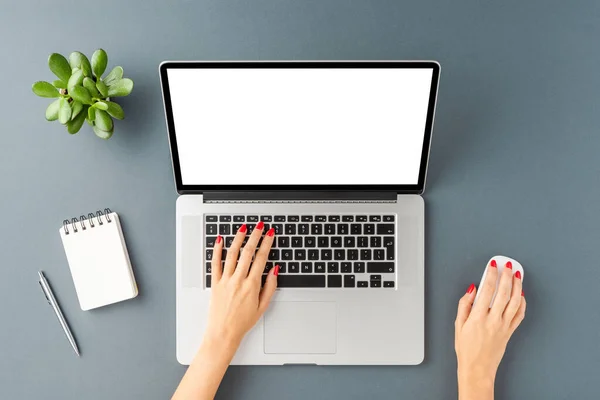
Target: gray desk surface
{"x":514,"y":169}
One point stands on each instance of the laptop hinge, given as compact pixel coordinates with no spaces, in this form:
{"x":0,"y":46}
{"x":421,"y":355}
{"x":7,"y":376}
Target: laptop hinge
{"x":291,"y":196}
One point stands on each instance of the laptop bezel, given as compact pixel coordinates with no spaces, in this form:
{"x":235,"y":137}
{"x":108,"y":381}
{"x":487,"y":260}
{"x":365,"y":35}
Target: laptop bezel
{"x":198,"y":189}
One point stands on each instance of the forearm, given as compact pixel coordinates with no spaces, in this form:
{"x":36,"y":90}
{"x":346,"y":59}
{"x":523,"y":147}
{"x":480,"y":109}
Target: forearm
{"x":473,"y":388}
{"x":206,"y":371}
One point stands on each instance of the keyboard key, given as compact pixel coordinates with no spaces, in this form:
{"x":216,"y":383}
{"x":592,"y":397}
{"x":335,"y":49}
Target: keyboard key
{"x":375,"y":283}
{"x":207,"y":280}
{"x":245,"y":241}
{"x":365,"y":254}
{"x":290,"y":229}
{"x":380,"y":267}
{"x":379,"y":255}
{"x":388,"y":243}
{"x":279,"y":218}
{"x":296,"y":241}
{"x":349,"y":241}
{"x":208,"y":268}
{"x":336,"y":241}
{"x":211,"y":218}
{"x":375,"y":277}
{"x":385,"y":229}
{"x":375,"y":241}
{"x":287,"y":255}
{"x":334,"y":218}
{"x":300,"y":281}
{"x":282,"y":267}
{"x":211,"y":229}
{"x":300,"y":255}
{"x":359,"y":267}
{"x":250,"y":228}
{"x":306,"y":218}
{"x":209,"y":254}
{"x":369,"y":229}
{"x":346,"y":267}
{"x":274,"y":255}
{"x":363,"y":241}
{"x":342,"y":229}
{"x":320,"y":218}
{"x":334,"y":280}
{"x":225,"y":218}
{"x":268,"y":267}
{"x":283,"y":241}
{"x":356,"y":229}
{"x":348,"y":218}
{"x":323,"y":241}
{"x":278,"y":229}
{"x":375,"y":218}
{"x":303,"y":229}
{"x":293,"y":218}
{"x":210,"y":241}
{"x":330,"y":229}
{"x":252,"y":218}
{"x":363,"y":284}
{"x":388,"y":284}
{"x":293,"y":268}
{"x":239,"y":218}
{"x":339,"y":254}
{"x":229,"y":241}
{"x":320,"y":267}
{"x":224,"y":229}
{"x":306,"y":267}
{"x":313,"y":255}
{"x":388,"y":218}
{"x":326,"y":254}
{"x":352,"y":255}
{"x":235,"y":227}
{"x":361,"y":218}
{"x":316,"y":229}
{"x":333,"y":267}
{"x":349,"y":281}
{"x":310,"y":241}
{"x":266,"y":218}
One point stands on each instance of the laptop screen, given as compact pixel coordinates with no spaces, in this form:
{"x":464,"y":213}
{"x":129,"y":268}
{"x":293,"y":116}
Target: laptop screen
{"x":301,"y":126}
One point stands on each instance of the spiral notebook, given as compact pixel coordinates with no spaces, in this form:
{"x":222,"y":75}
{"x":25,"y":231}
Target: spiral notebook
{"x":98,"y":259}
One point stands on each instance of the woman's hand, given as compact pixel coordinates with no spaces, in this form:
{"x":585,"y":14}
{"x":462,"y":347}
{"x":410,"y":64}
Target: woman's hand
{"x":237,"y":302}
{"x":482,"y":333}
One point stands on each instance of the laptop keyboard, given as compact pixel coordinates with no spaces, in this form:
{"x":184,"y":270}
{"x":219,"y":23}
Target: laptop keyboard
{"x":318,"y":251}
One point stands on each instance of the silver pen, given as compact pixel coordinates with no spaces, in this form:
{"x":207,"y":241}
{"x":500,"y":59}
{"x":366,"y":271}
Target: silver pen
{"x":52,"y":301}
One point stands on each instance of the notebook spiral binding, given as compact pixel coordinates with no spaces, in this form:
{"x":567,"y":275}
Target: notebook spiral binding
{"x":89,"y":220}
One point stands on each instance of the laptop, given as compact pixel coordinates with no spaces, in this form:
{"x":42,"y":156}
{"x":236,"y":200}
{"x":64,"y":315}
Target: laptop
{"x":333,"y":156}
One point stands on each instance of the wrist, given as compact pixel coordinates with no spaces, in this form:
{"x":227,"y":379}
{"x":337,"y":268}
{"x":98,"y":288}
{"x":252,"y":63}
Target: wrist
{"x":475,"y":385}
{"x":220,"y":346}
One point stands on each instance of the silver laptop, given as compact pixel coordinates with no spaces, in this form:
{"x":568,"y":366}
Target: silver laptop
{"x":333,"y":156}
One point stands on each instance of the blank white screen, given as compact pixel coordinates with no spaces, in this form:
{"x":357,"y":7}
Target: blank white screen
{"x":299,"y":126}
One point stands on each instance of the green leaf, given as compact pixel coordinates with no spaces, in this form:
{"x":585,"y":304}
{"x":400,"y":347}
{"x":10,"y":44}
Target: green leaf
{"x":103,"y":120}
{"x":60,"y":66}
{"x":64,"y":111}
{"x":91,"y":112}
{"x":99,"y":61}
{"x":102,"y":88}
{"x":80,"y":61}
{"x":102,"y":134}
{"x":59,"y":84}
{"x":44,"y":89}
{"x":120,"y":88}
{"x":100,"y":105}
{"x":115,"y":110}
{"x":115,"y":75}
{"x":75,"y":80}
{"x":52,"y":110}
{"x":81,"y":94}
{"x":77,"y":106}
{"x":91,"y":87}
{"x":75,"y":124}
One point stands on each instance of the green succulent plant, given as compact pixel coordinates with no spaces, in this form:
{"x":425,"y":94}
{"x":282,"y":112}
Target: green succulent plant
{"x":83,"y":94}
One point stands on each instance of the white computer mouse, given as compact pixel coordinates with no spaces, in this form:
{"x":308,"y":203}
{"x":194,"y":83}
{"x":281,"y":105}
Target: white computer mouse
{"x":500,"y":263}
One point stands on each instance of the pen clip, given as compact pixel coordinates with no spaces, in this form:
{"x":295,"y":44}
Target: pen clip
{"x":45,"y":294}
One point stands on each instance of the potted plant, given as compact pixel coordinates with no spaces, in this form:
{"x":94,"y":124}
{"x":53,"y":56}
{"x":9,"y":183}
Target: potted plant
{"x":83,"y":94}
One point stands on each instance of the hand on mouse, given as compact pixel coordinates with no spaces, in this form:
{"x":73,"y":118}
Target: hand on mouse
{"x":482,"y":333}
{"x":237,"y":303}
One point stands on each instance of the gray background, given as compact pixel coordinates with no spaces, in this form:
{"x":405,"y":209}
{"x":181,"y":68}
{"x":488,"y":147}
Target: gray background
{"x":514,"y":170}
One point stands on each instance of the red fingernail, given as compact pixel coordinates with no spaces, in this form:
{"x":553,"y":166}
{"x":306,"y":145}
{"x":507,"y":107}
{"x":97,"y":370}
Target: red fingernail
{"x":518,"y":274}
{"x":260,"y":225}
{"x":508,"y":265}
{"x":271,"y":232}
{"x":471,"y":288}
{"x":276,"y":270}
{"x":219,"y":238}
{"x":523,"y":293}
{"x":493,"y":263}
{"x":242,"y":228}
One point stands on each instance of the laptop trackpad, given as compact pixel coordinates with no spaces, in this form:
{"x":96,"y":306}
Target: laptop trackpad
{"x":301,"y":327}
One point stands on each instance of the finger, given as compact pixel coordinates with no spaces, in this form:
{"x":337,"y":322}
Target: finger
{"x":217,"y":270}
{"x":515,"y":298}
{"x":268,"y":290}
{"x":516,"y":321}
{"x":248,"y":251}
{"x":234,"y":250}
{"x":464,"y":307}
{"x":260,"y":260}
{"x":503,"y":292}
{"x":486,"y":292}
